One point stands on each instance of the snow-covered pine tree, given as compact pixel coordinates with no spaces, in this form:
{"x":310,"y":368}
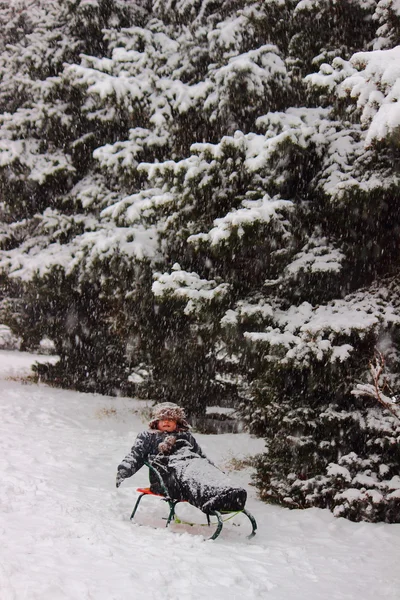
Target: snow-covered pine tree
{"x":57,"y":249}
{"x":302,"y":376}
{"x":185,"y":196}
{"x":289,"y":218}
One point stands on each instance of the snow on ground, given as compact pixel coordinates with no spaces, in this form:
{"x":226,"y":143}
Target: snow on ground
{"x":65,"y":529}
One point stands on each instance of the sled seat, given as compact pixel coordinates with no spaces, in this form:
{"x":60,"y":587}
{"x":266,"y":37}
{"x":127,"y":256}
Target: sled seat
{"x":148,"y":492}
{"x":229,"y":514}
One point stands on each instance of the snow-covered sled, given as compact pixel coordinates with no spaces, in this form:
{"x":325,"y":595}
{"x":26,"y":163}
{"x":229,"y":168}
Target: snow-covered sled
{"x":219,"y":515}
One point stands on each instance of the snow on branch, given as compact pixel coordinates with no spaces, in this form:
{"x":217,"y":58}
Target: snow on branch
{"x":189,"y":287}
{"x":317,"y":256}
{"x":252,"y":211}
{"x":122,"y":89}
{"x":38,"y":256}
{"x":305,"y":333}
{"x":377,"y":89}
{"x":40,"y":167}
{"x":371,"y":80}
{"x":125,"y":155}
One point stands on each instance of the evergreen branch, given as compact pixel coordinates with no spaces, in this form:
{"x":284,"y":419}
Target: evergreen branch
{"x":376,"y":390}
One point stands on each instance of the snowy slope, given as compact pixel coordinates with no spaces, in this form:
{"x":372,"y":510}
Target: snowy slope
{"x":66,"y":535}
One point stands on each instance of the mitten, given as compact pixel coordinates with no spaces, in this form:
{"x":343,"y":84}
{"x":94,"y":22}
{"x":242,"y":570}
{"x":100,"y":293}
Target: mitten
{"x":167,"y":445}
{"x":119,"y":479}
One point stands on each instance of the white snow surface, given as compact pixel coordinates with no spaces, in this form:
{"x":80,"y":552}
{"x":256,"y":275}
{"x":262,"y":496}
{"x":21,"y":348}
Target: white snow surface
{"x":66,"y":534}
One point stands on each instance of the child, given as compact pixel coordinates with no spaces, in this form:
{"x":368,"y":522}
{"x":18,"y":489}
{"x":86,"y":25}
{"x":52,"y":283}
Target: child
{"x":187,"y":473}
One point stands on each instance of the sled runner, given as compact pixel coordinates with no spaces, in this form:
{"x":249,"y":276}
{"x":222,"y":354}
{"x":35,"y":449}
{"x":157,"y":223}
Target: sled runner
{"x":220,"y":516}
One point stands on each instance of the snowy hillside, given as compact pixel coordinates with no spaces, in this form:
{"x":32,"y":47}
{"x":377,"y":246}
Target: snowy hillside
{"x":66,"y":535}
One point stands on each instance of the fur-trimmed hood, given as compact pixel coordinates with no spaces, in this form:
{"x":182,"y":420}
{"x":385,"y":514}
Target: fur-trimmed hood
{"x":169,"y":410}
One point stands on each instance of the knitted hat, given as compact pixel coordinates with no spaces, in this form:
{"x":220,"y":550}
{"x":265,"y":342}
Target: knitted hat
{"x":168,"y":410}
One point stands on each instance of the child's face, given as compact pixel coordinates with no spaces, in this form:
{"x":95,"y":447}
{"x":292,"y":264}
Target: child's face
{"x":166,"y":425}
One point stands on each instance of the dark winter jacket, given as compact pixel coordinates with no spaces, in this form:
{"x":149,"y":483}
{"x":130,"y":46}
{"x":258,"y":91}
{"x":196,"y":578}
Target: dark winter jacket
{"x":145,"y":449}
{"x":185,"y":470}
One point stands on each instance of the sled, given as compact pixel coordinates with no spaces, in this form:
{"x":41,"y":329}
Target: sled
{"x":221,"y":516}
